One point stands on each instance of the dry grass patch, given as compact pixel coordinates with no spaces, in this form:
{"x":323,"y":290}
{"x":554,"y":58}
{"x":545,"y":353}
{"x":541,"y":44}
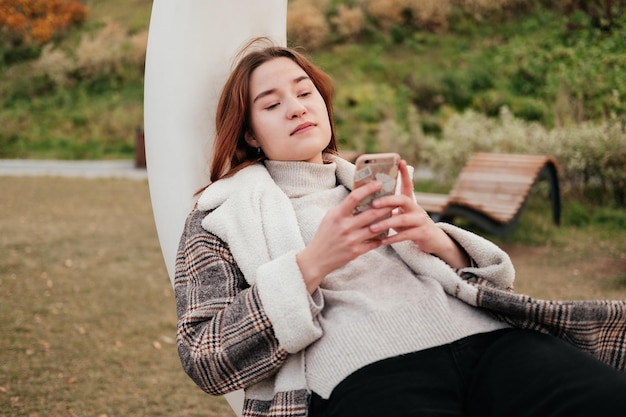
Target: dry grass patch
{"x":570,"y":273}
{"x":88,"y":312}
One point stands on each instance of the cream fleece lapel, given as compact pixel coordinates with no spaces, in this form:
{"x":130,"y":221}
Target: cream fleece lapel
{"x":255,"y":217}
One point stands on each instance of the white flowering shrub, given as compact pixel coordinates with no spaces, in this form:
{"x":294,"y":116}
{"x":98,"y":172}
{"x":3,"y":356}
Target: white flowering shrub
{"x":386,"y":13}
{"x":588,"y":155}
{"x":349,"y":22}
{"x":106,"y":52}
{"x":56,"y":64}
{"x":592,"y":155}
{"x":405,"y":138}
{"x":429,"y":14}
{"x":306,"y":23}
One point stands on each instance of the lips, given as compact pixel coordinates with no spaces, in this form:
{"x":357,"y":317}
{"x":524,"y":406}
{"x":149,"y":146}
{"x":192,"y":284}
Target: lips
{"x":302,"y":127}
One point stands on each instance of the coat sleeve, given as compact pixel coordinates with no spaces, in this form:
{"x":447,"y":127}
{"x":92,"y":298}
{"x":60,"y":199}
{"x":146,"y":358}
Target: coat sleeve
{"x":225,"y":339}
{"x":489,"y":263}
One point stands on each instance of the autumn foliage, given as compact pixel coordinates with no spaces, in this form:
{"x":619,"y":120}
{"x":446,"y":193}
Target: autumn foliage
{"x":37,"y":21}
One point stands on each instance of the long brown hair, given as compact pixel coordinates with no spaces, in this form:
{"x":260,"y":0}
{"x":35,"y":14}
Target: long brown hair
{"x":231,"y":153}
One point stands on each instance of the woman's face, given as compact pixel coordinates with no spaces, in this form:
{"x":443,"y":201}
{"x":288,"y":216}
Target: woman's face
{"x":288,"y":114}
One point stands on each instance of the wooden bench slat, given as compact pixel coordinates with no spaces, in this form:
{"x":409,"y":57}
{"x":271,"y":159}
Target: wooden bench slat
{"x":432,"y":203}
{"x":488,"y":190}
{"x":493,"y":188}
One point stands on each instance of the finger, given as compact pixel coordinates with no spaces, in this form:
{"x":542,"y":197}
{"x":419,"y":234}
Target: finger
{"x":394,"y":200}
{"x":402,"y":221}
{"x":398,"y":237}
{"x":389,"y":223}
{"x":407,"y":182}
{"x":354,"y":198}
{"x":370,"y":244}
{"x":362,"y":230}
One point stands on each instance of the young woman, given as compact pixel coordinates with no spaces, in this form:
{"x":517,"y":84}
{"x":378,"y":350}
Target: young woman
{"x":282,"y":292}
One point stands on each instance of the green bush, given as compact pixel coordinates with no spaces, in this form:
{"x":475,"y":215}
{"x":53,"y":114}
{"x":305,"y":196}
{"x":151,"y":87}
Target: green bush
{"x":531,"y":109}
{"x":427,"y":93}
{"x":590,"y":155}
{"x":490,"y":102}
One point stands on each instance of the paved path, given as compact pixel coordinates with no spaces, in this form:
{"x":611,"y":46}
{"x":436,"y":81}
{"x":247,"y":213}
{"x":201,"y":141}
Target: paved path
{"x":83,"y":169}
{"x":95,"y":169}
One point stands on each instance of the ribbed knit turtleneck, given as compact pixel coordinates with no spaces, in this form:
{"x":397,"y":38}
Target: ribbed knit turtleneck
{"x":312,"y":189}
{"x":374,"y":307}
{"x":298,"y":179}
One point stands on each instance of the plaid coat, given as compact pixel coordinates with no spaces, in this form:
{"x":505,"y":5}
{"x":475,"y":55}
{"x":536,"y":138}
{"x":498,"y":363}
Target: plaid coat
{"x":227,"y":342}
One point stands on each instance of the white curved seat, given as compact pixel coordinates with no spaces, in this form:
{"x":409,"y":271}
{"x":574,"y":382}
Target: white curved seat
{"x":191,"y":46}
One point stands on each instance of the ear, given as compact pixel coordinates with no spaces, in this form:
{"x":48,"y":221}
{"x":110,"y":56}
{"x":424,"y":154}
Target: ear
{"x":251,"y":140}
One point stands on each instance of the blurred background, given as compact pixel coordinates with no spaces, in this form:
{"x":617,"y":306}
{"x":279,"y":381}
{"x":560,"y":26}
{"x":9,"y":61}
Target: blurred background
{"x":435,"y":80}
{"x":88,"y":320}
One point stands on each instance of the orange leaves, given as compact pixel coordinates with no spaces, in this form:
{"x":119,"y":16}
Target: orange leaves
{"x":14,"y":22}
{"x":28,"y":21}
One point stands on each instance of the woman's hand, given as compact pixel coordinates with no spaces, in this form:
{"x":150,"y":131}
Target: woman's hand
{"x":341,"y":237}
{"x":411,"y":222}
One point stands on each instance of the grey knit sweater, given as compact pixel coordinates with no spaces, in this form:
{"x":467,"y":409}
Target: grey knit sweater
{"x":375,"y":307}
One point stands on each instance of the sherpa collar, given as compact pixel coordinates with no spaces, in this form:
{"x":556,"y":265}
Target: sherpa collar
{"x":248,"y":210}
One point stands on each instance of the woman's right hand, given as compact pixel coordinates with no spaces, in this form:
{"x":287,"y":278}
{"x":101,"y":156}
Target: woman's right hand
{"x":341,"y":237}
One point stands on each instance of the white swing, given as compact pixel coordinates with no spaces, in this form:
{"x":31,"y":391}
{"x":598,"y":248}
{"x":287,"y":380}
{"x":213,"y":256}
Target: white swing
{"x":191,"y":46}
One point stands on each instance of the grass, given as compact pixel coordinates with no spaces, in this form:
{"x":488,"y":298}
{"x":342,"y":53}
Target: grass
{"x":74,"y":125}
{"x":132,"y":14}
{"x":88,"y":311}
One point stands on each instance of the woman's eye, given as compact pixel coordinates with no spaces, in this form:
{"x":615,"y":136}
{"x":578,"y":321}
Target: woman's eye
{"x":306,"y":93}
{"x":271,"y":106}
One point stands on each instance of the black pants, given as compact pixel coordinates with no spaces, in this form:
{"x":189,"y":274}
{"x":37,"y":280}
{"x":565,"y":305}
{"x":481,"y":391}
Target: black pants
{"x":508,"y":373}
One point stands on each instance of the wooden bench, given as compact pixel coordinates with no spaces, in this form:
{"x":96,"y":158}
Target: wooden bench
{"x":492,"y":189}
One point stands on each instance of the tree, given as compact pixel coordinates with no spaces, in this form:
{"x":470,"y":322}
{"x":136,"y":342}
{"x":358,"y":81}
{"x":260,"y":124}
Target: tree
{"x":24,"y":22}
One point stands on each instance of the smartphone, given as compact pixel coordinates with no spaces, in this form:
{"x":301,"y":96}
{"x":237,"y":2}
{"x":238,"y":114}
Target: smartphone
{"x":382,"y":167}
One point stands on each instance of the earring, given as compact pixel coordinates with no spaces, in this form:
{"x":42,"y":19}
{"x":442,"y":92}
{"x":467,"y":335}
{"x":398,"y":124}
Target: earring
{"x":258,"y":151}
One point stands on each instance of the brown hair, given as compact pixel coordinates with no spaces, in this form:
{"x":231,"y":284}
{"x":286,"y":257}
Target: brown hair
{"x":231,"y":153}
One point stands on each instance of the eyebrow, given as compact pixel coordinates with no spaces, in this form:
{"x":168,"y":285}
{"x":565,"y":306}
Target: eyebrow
{"x":273,"y":90}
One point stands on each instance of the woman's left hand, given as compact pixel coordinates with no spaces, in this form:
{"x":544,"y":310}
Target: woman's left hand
{"x":411,"y":222}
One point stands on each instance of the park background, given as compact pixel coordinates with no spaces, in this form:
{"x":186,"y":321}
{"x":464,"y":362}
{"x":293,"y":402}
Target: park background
{"x":88,"y":314}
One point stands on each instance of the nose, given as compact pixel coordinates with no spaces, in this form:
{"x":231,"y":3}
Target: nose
{"x":296,"y":109}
